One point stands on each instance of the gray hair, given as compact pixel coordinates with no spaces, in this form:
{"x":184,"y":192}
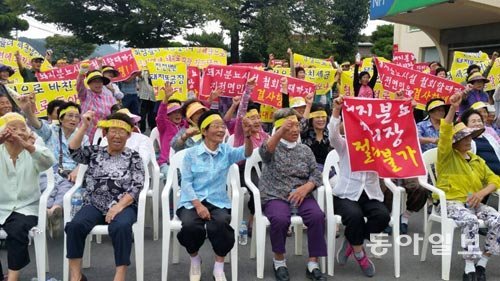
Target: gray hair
{"x":283,"y":113}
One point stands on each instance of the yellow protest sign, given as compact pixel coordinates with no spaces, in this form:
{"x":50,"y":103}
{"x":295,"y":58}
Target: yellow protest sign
{"x":174,"y":73}
{"x":266,"y":113}
{"x":8,"y":49}
{"x":200,"y":57}
{"x":47,"y":92}
{"x":461,"y":62}
{"x":346,"y":87}
{"x":305,"y":61}
{"x":322,"y":77}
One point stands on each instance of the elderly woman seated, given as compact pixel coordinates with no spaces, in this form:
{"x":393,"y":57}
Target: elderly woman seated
{"x":56,"y":136}
{"x":289,"y":175}
{"x":21,"y":161}
{"x":466,"y":180}
{"x":204,"y":207}
{"x":112,"y":184}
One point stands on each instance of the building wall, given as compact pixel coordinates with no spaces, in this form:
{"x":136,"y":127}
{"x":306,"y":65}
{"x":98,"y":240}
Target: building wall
{"x":416,"y":41}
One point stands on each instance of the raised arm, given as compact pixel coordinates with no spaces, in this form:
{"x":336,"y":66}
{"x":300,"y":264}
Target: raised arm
{"x":336,"y":139}
{"x":76,"y":141}
{"x":373,"y":80}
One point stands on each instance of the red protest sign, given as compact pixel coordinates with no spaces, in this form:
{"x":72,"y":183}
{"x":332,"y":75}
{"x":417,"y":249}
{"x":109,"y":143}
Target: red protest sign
{"x":421,"y":66}
{"x":300,"y":88}
{"x":421,"y":86}
{"x":193,"y":82}
{"x":404,"y":59}
{"x":230,"y":79}
{"x":267,"y":88}
{"x":381,"y":137}
{"x":124,"y":62}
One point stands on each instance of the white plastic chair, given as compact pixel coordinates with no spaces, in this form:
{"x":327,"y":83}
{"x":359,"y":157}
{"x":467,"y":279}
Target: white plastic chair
{"x":97,"y":136}
{"x":39,"y":233}
{"x":173,"y":226}
{"x":332,"y":160}
{"x":447,"y":225}
{"x":137,"y":227}
{"x":261,"y":222}
{"x":154,"y":191}
{"x":154,"y":136}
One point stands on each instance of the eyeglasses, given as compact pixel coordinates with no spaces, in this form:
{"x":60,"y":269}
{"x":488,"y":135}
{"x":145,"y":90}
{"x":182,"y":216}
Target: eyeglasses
{"x":72,"y":116}
{"x":117,"y":132}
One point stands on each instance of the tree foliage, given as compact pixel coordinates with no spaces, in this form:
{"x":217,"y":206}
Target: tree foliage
{"x":9,"y":20}
{"x":382,"y":39}
{"x":68,"y":47}
{"x":205,"y":39}
{"x":140,"y":23}
{"x":318,"y":28}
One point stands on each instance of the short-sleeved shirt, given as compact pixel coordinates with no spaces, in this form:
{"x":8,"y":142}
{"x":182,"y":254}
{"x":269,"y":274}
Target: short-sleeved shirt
{"x":109,"y":177}
{"x":427,"y":130}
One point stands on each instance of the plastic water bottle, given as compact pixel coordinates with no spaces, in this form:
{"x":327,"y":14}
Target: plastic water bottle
{"x":358,"y":58}
{"x":243,"y":237}
{"x":294,"y":210}
{"x":76,"y":202}
{"x":469,"y":195}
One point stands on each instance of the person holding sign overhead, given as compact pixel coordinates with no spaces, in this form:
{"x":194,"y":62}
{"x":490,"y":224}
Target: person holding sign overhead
{"x":289,"y":176}
{"x":356,"y":195}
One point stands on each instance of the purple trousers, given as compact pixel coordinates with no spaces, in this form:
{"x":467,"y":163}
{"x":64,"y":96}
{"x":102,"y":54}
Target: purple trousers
{"x":278,"y":213}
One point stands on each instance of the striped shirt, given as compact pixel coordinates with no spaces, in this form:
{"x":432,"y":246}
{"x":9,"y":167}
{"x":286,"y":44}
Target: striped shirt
{"x":99,"y":103}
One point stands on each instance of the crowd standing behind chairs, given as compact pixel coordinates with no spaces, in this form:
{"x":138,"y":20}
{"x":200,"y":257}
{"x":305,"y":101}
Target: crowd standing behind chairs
{"x":292,"y":160}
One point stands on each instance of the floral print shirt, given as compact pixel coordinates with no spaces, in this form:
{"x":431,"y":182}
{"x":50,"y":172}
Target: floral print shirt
{"x":109,"y":177}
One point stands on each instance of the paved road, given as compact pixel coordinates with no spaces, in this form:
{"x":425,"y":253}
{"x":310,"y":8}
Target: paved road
{"x":102,"y":263}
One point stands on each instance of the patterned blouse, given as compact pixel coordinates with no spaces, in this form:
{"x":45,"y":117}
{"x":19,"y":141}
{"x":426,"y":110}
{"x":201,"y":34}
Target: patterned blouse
{"x":286,"y":169}
{"x":108,"y":178}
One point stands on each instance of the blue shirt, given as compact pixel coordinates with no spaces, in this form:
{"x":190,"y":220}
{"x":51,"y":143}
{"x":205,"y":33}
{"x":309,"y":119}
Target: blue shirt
{"x":427,"y":130}
{"x":128,"y":88}
{"x":50,"y":135}
{"x":204,"y":174}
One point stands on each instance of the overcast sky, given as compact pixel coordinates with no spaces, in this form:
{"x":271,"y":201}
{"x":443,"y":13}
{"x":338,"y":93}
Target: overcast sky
{"x":42,"y":30}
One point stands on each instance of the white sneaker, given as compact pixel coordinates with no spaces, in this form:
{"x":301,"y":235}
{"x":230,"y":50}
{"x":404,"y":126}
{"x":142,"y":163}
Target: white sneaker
{"x":195,"y":272}
{"x":220,"y":277}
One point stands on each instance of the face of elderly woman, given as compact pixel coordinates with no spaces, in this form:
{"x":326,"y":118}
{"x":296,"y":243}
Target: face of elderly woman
{"x":215,"y":132}
{"x":96,"y":85}
{"x":18,"y":128}
{"x":475,"y":122}
{"x":70,"y":120}
{"x":292,"y":135}
{"x":463,"y":145}
{"x":117,"y":138}
{"x":5,"y":106}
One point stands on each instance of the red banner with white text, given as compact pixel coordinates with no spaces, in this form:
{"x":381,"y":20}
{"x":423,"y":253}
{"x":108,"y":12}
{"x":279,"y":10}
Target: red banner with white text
{"x":124,"y":62}
{"x":382,"y":137}
{"x":420,"y":86}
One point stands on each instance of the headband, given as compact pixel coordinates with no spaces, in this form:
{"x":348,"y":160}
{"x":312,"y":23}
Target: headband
{"x":252,"y":112}
{"x":67,"y":109}
{"x":192,"y":108}
{"x":115,"y":123}
{"x":278,"y":123}
{"x":318,"y":114}
{"x":209,"y":120}
{"x":11,"y":116}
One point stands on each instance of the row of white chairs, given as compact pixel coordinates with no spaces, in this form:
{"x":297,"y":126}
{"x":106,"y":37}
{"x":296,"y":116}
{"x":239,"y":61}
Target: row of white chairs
{"x":323,"y":195}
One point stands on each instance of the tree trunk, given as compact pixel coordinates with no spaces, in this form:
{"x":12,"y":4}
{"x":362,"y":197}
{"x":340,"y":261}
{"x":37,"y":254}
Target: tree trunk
{"x":235,"y":45}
